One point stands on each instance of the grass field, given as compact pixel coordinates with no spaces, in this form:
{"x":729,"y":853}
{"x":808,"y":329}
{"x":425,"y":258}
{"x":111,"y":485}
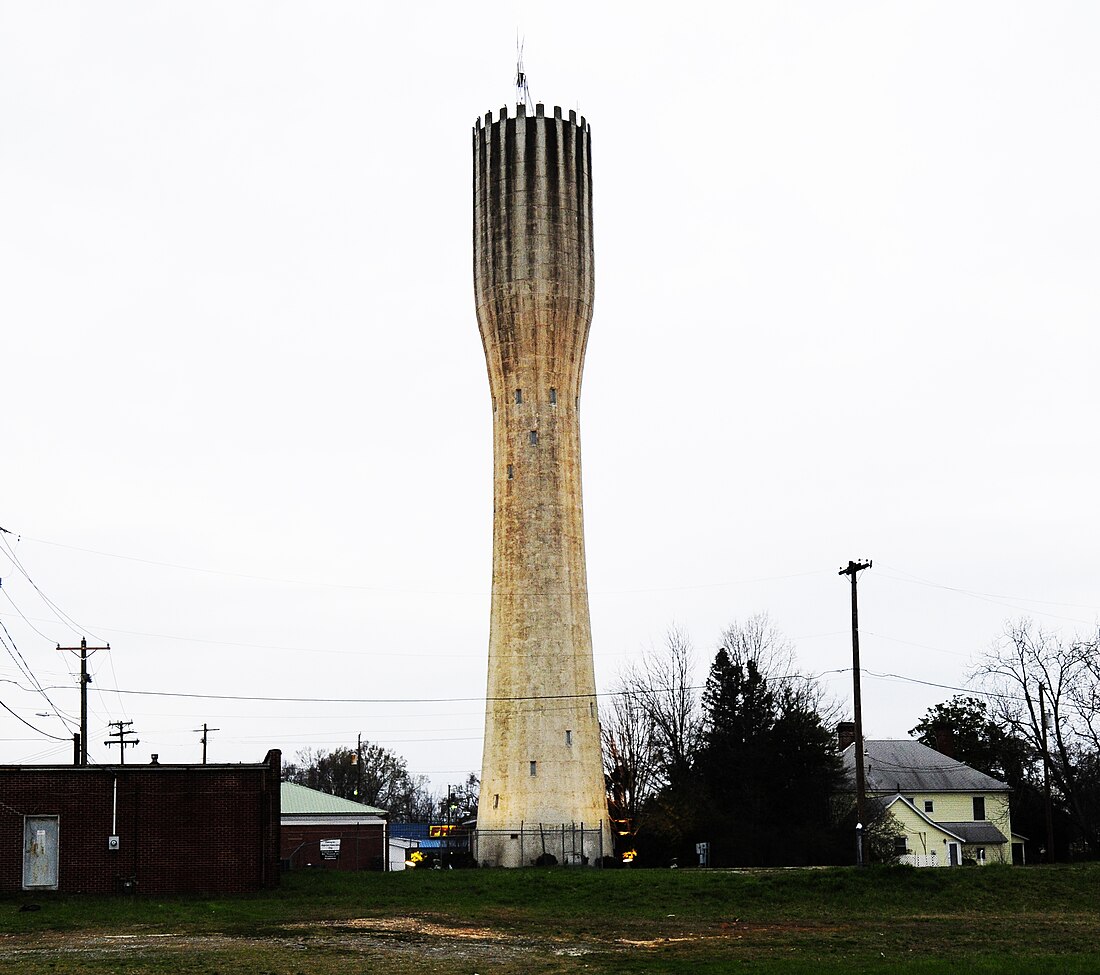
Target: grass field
{"x":544,"y":922}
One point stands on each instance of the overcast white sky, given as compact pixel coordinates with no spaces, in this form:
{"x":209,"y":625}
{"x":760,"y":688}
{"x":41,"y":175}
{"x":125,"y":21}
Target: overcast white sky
{"x":847,"y":307}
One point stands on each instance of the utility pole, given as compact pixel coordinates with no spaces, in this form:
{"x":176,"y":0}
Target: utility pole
{"x":359,"y":767}
{"x":205,"y":732}
{"x":85,"y":680}
{"x":852,"y":570}
{"x":1046,"y":773}
{"x":119,"y":738}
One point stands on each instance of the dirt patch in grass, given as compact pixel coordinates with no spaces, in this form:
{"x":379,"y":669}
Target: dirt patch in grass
{"x":403,"y":925}
{"x":501,"y":923}
{"x":308,"y":947}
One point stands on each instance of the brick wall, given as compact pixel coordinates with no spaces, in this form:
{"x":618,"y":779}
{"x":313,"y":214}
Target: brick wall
{"x":181,"y":828}
{"x":360,"y":846}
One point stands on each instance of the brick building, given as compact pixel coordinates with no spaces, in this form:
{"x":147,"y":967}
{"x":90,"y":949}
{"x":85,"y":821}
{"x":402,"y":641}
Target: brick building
{"x":319,"y":830}
{"x":154,"y":829}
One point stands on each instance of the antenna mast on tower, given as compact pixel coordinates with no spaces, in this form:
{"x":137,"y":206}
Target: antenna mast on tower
{"x":523,"y":96}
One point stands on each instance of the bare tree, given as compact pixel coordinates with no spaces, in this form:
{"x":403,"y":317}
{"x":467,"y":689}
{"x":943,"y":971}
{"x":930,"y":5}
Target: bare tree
{"x":1014,"y":667}
{"x":672,"y":698}
{"x":629,"y":751}
{"x":651,"y":732}
{"x":383,"y":780}
{"x":759,"y":642}
{"x":1084,"y":694}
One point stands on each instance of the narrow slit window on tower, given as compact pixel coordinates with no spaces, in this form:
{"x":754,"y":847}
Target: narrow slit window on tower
{"x":511,"y":472}
{"x":534,"y":438}
{"x":496,"y":800}
{"x":534,"y":768}
{"x":519,"y":395}
{"x":569,"y":738}
{"x":553,"y":396}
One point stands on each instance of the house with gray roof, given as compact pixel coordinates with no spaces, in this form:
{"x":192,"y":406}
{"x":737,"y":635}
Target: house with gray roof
{"x":948,"y":812}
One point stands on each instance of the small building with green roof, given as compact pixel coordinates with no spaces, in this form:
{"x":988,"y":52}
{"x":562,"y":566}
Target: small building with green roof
{"x":329,"y":832}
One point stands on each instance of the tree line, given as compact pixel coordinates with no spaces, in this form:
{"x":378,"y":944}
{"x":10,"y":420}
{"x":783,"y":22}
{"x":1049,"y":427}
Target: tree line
{"x":748,"y":760}
{"x":377,"y":776}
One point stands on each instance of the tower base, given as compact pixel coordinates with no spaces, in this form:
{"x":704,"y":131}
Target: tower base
{"x":543,"y":844}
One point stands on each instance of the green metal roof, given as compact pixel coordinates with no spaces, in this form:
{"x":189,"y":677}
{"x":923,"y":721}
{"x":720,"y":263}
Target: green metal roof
{"x":297,"y":800}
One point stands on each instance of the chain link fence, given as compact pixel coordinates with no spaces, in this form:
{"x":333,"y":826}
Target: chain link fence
{"x":542,"y":844}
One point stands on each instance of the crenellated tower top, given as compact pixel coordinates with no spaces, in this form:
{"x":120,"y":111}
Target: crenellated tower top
{"x":540,"y":112}
{"x":533,"y":247}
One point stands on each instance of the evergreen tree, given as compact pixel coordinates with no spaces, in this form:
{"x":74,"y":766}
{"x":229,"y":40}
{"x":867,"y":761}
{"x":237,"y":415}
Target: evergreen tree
{"x":768,"y":768}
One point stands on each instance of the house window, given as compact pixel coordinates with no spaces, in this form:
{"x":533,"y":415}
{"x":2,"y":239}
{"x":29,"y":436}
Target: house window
{"x":519,"y":395}
{"x":553,"y":397}
{"x":900,"y":847}
{"x":510,"y":472}
{"x":534,"y":768}
{"x":569,"y":737}
{"x":496,"y":800}
{"x":534,"y":437}
{"x":927,"y":805}
{"x":981,"y":854}
{"x":979,"y":807}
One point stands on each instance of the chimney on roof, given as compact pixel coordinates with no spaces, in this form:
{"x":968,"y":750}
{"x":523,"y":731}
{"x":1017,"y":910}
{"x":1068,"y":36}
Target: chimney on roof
{"x":845,"y":734}
{"x":945,"y":740}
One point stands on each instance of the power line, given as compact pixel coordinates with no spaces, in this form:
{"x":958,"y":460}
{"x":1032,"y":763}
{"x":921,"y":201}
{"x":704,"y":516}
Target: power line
{"x":390,"y":589}
{"x":31,"y":726}
{"x":280,"y":647}
{"x":24,"y":668}
{"x":58,"y":611}
{"x":628,"y":692}
{"x":24,"y":617}
{"x":983,"y":595}
{"x":21,"y":665}
{"x":994,"y":599}
{"x":277,"y":699}
{"x":946,"y":687}
{"x":441,"y":655}
{"x":68,"y":621}
{"x":997,"y":695}
{"x":912,"y":580}
{"x":358,"y":700}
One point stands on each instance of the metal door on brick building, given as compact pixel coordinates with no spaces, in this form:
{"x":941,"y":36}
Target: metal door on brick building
{"x":40,"y":834}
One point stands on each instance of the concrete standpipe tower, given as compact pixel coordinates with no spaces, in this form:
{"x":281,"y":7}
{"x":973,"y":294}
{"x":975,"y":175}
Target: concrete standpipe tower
{"x":542,"y":785}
